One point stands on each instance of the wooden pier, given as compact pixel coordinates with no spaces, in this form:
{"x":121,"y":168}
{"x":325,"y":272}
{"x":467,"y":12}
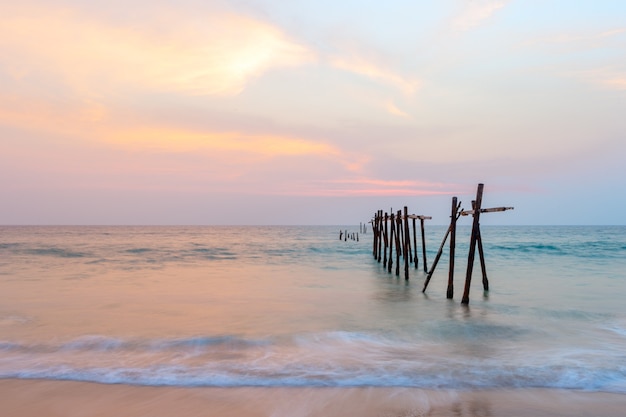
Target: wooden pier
{"x":392,"y":230}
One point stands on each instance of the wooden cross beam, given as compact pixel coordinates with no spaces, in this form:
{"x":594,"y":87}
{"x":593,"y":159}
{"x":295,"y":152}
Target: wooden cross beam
{"x":421,"y":217}
{"x":487,"y":210}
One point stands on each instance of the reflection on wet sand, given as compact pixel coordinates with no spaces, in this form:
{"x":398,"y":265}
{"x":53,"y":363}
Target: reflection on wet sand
{"x":34,"y":398}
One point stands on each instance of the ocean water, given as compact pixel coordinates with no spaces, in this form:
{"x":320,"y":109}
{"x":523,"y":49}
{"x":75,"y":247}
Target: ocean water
{"x":297,"y":307}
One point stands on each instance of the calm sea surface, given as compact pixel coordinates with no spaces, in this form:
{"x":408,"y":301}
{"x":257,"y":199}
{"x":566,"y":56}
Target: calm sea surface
{"x":297,"y":307}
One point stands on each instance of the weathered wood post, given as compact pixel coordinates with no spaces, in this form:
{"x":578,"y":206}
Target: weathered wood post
{"x":392,"y":225}
{"x":472,"y":248}
{"x":481,"y":256}
{"x":453,"y":218}
{"x":376,"y":231}
{"x":380,"y":232}
{"x":407,"y":251}
{"x":386,"y":240}
{"x":376,"y":237}
{"x":398,"y":244}
{"x":423,"y":244}
{"x":415,"y":259}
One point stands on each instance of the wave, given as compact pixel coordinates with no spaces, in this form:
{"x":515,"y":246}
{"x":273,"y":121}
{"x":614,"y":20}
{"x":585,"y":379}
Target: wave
{"x":56,"y":252}
{"x":333,"y":359}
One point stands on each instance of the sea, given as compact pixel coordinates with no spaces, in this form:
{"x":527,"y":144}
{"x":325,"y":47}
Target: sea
{"x":296,"y":306}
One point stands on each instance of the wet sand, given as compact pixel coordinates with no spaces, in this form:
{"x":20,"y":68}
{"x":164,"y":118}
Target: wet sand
{"x":30,"y":398}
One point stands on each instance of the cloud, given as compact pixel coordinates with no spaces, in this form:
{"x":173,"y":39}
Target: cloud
{"x":362,"y":66}
{"x":393,"y":109}
{"x":178,"y":140}
{"x":377,"y":187}
{"x":609,"y":78}
{"x":476,"y":12}
{"x":591,"y":39}
{"x":218,"y":57}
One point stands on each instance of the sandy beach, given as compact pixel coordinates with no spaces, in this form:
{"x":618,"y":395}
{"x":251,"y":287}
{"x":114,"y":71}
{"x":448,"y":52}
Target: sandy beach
{"x":29,"y":398}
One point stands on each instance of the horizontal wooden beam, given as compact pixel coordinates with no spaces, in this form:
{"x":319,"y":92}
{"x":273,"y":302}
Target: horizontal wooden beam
{"x":487,"y":210}
{"x":411,"y":216}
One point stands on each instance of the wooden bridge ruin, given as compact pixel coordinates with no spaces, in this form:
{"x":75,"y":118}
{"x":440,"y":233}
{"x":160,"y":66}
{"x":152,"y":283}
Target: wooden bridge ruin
{"x":391,"y":230}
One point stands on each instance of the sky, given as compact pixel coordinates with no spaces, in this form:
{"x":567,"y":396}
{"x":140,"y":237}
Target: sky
{"x":263,"y":112}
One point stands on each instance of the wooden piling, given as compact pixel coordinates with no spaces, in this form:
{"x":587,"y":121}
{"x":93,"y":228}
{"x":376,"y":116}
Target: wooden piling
{"x":481,"y":254}
{"x":376,"y":237}
{"x":398,"y":245}
{"x":423,"y":244}
{"x":473,"y":240}
{"x":385,"y":239}
{"x":415,"y":259}
{"x":391,"y":241}
{"x":453,"y":218}
{"x":380,"y":232}
{"x":407,"y":250}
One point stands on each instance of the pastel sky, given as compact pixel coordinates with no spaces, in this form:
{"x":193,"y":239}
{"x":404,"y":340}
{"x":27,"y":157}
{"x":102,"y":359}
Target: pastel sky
{"x":311,"y":111}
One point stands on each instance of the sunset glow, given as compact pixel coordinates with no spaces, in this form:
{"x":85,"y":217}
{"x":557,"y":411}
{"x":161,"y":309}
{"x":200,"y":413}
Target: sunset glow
{"x":221,"y":104}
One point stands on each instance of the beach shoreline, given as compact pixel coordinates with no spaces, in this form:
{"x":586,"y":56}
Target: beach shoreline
{"x":30,"y":398}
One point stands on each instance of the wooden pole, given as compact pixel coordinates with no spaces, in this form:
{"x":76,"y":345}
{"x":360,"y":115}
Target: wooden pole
{"x":391,"y":241}
{"x":453,"y":218}
{"x":398,"y":246}
{"x":375,"y":243}
{"x":380,"y":232}
{"x":424,"y":245}
{"x":376,"y":231}
{"x":401,"y":234}
{"x":385,"y":238}
{"x":415,"y":259}
{"x":407,"y":242}
{"x":472,"y":248}
{"x":481,"y":256}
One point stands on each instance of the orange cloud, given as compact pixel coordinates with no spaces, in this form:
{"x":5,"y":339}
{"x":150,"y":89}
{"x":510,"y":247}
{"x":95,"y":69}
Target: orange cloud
{"x":218,"y":57}
{"x":374,"y":187}
{"x":70,"y":118}
{"x":187,"y":141}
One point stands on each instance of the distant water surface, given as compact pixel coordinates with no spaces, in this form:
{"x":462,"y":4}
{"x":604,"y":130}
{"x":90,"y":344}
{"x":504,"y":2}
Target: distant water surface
{"x":296,"y":306}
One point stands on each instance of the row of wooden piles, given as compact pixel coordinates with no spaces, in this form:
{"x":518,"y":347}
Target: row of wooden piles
{"x":392,"y":230}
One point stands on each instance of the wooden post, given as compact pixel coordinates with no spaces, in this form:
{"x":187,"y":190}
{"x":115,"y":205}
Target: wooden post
{"x":400,"y":231}
{"x":375,"y":238}
{"x":398,"y":246}
{"x":472,"y":248}
{"x":380,"y":232}
{"x":415,"y":259}
{"x":423,"y":245}
{"x":385,"y":239}
{"x":391,"y":241}
{"x":481,"y":256}
{"x":407,"y":250}
{"x":453,"y":218}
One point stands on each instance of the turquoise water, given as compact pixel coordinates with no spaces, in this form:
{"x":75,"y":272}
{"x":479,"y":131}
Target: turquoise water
{"x":296,"y":306}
